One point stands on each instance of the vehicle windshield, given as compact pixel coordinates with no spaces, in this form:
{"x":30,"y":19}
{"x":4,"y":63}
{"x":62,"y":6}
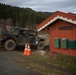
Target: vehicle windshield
{"x":13,"y":32}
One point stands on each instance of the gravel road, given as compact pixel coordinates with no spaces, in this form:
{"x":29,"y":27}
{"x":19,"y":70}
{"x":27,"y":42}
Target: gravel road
{"x":15,"y":63}
{"x":10,"y":66}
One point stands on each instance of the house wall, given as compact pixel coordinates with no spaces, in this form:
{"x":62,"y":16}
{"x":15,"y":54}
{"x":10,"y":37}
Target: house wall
{"x":55,"y":32}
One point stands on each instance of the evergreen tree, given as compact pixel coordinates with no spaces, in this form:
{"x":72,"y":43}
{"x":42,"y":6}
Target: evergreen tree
{"x":22,"y":16}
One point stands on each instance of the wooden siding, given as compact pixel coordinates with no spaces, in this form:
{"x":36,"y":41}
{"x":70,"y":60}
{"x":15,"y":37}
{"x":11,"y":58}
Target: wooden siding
{"x":56,"y":33}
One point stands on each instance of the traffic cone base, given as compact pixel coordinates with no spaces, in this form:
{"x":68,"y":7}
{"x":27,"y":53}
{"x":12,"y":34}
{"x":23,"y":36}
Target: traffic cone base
{"x":28,"y":53}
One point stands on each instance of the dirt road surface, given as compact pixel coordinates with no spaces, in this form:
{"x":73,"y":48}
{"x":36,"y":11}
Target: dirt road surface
{"x":10,"y":66}
{"x":15,"y":63}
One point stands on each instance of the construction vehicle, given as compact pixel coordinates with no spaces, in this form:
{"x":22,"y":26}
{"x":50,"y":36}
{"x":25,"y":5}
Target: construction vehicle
{"x":17,"y":36}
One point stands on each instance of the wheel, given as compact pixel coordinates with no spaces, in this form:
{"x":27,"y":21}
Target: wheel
{"x":9,"y":45}
{"x":40,"y":45}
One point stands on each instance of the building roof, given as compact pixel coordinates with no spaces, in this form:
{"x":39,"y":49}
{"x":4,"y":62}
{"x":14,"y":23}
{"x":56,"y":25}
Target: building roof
{"x":57,"y":15}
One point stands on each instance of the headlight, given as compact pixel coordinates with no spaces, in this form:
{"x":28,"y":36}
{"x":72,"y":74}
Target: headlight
{"x":36,"y":42}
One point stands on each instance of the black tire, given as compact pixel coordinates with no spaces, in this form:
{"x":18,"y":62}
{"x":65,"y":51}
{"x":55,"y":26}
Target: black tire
{"x":41,"y":45}
{"x":9,"y":45}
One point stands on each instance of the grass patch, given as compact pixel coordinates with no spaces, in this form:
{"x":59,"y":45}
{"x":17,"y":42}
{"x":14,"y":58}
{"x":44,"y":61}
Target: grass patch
{"x":64,"y":61}
{"x":69,"y":62}
{"x":44,"y":64}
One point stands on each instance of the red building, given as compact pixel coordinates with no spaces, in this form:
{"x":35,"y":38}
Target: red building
{"x":62,"y":30}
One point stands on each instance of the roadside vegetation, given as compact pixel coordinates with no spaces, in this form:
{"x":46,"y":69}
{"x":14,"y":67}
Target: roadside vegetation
{"x":48,"y":66}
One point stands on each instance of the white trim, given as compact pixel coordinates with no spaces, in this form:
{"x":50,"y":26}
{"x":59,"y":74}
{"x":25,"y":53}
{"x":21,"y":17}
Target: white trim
{"x":54,"y":19}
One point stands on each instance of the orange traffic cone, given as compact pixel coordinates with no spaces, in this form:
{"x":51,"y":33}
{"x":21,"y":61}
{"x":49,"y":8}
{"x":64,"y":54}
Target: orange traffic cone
{"x":25,"y":50}
{"x":28,"y":50}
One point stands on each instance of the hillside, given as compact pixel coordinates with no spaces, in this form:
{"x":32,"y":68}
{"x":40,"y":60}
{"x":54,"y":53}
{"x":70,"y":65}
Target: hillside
{"x":23,"y":17}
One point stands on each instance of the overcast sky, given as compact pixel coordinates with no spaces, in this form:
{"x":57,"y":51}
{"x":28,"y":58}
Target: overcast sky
{"x":44,"y":5}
